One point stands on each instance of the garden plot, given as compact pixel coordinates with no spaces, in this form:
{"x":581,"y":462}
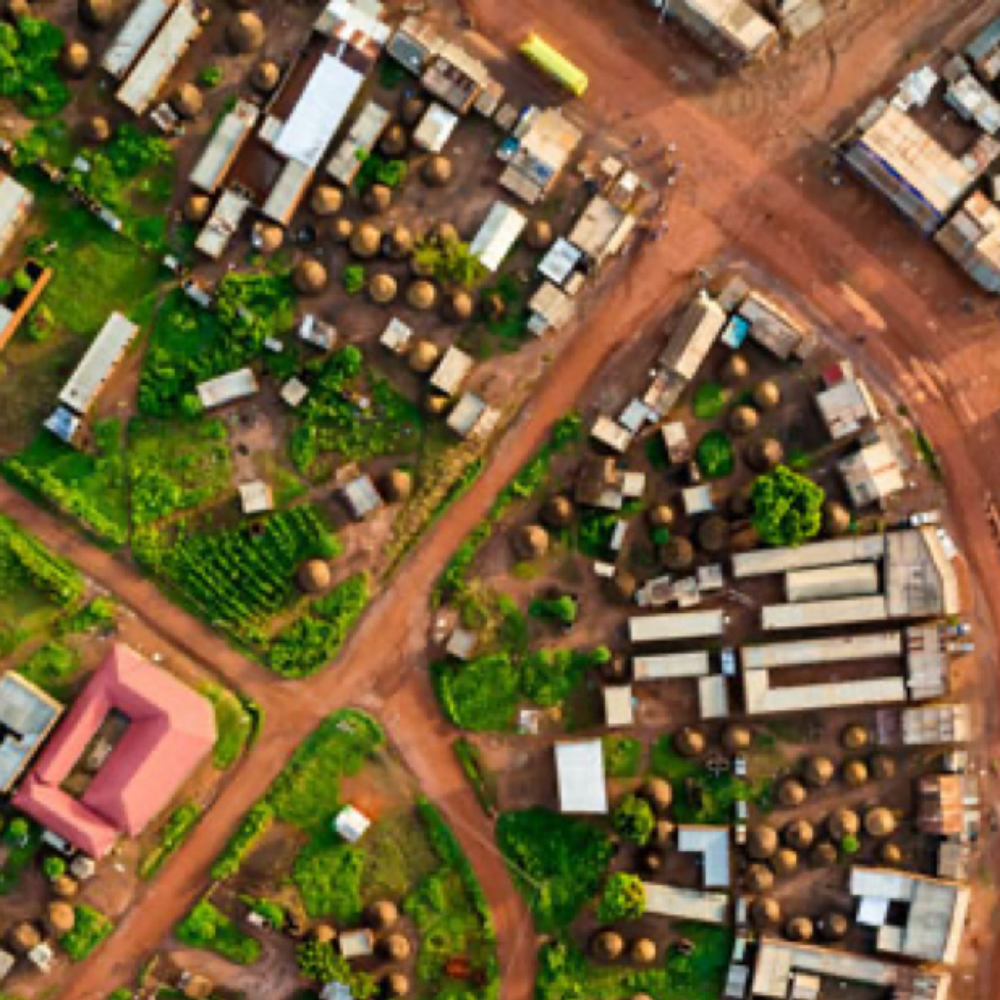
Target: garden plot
{"x":341,"y":872}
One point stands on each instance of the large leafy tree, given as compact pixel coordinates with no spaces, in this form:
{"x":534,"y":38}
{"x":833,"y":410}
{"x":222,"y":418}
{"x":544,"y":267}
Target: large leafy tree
{"x":634,"y":820}
{"x":624,"y":898}
{"x":787,"y":507}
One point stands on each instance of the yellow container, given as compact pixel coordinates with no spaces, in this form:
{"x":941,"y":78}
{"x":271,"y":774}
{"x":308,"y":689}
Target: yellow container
{"x":554,"y":64}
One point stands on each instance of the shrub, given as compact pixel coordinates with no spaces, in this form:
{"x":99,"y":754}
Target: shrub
{"x":634,"y":820}
{"x":319,"y":961}
{"x":622,"y":756}
{"x":91,"y":927}
{"x":480,"y":695}
{"x":53,"y":867}
{"x":254,"y":825}
{"x":710,"y":400}
{"x":178,"y":825}
{"x":210,"y":76}
{"x":559,"y":609}
{"x":209,"y":928}
{"x":327,"y":874}
{"x":787,"y":507}
{"x":549,"y":676}
{"x":623,"y":899}
{"x":714,"y":455}
{"x":850,"y":844}
{"x":17,"y":831}
{"x":353,"y":279}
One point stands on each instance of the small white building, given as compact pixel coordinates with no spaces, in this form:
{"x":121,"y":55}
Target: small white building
{"x":473,"y":417}
{"x":619,"y":708}
{"x":294,"y":392}
{"x":224,"y":146}
{"x":357,"y":943}
{"x":497,"y":235}
{"x":396,"y":336}
{"x":256,"y":497}
{"x":611,"y":434}
{"x":351,"y":824}
{"x":435,"y":128}
{"x":97,"y":366}
{"x":452,"y":370}
{"x":362,"y":497}
{"x":580,"y":776}
{"x":228,"y":388}
{"x":222,"y":224}
{"x":872,"y":474}
{"x":317,"y":332}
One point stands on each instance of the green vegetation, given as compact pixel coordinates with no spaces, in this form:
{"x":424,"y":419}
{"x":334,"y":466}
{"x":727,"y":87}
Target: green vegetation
{"x":29,"y":55}
{"x":252,"y":827}
{"x":451,"y":262}
{"x":88,"y":487}
{"x":320,"y":960}
{"x":562,"y":610}
{"x":53,"y":667}
{"x":715,"y":455}
{"x":207,"y":927}
{"x":89,"y":930}
{"x":272,"y":912}
{"x":210,"y":76}
{"x":327,"y":874}
{"x":927,"y":453}
{"x":634,"y":819}
{"x":474,"y":767}
{"x":173,"y":834}
{"x":622,"y":756}
{"x":787,"y":507}
{"x":53,"y":867}
{"x":233,"y":725}
{"x":558,"y":862}
{"x":549,"y":676}
{"x":353,"y":279}
{"x":565,"y":973}
{"x":96,"y":614}
{"x":849,"y":844}
{"x":710,"y":400}
{"x":376,"y":170}
{"x":624,"y":898}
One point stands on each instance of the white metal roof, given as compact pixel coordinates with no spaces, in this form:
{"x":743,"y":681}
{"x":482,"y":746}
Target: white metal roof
{"x":157,"y":63}
{"x":824,"y":614}
{"x":435,"y":128}
{"x":694,"y":336}
{"x":351,"y":823}
{"x":228,"y":388}
{"x":849,"y":580}
{"x":762,"y":699}
{"x":452,"y":371}
{"x":920,"y":579}
{"x":288,"y":191}
{"x":320,"y":111}
{"x":830,"y":553}
{"x":559,"y":262}
{"x":618,"y":707}
{"x":472,"y":416}
{"x":712,"y":843}
{"x":364,"y":133}
{"x":223,"y":224}
{"x":673,"y":627}
{"x":256,"y":497}
{"x":15,"y":201}
{"x":847,"y":407}
{"x":580,"y":774}
{"x":670,"y":666}
{"x":686,"y":904}
{"x":98,"y":364}
{"x":497,"y":235}
{"x":713,"y":697}
{"x":840,"y":649}
{"x":145,"y":18}
{"x":211,"y":168}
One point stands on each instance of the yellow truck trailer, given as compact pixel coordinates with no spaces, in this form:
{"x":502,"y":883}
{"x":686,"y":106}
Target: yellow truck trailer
{"x":554,"y":64}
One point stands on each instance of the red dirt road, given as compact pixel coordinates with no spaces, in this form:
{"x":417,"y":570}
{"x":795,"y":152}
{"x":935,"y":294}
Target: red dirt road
{"x":740,"y":195}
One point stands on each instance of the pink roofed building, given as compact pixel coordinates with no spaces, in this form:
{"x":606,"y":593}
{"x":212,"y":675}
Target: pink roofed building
{"x":170,"y":730}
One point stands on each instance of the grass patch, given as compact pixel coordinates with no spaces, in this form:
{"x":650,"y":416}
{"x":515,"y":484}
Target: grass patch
{"x":20,"y":854}
{"x":233,"y":725}
{"x":178,"y":825}
{"x":208,"y":928}
{"x":52,"y":667}
{"x":482,"y":780}
{"x":622,"y":756}
{"x":327,"y":873}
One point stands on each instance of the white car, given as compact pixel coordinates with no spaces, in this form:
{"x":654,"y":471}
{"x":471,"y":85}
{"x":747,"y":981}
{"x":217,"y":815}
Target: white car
{"x":925,"y":517}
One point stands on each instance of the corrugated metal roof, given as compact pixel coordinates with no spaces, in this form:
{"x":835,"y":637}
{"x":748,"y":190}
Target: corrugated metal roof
{"x":98,"y":364}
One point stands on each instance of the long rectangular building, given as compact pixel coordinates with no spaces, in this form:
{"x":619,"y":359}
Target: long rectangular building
{"x":224,"y":146}
{"x":836,"y":552}
{"x":135,"y":35}
{"x":842,"y":649}
{"x":671,"y":666}
{"x":98,"y":364}
{"x":825,"y":582}
{"x":762,"y":699}
{"x":824,"y":614}
{"x":15,"y":203}
{"x":676,"y":627}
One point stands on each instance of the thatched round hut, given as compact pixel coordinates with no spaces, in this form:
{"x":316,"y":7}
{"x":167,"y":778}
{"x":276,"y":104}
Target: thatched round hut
{"x":394,"y":141}
{"x":395,"y":985}
{"x":854,"y":737}
{"x":791,"y":792}
{"x":678,"y":554}
{"x":245,"y":32}
{"x":326,"y":200}
{"x":799,"y":834}
{"x":819,"y":771}
{"x":606,"y":946}
{"x":659,"y":794}
{"x":764,"y":454}
{"x":735,"y":370}
{"x":558,"y":512}
{"x":268,"y":238}
{"x":879,"y":822}
{"x":823,"y":855}
{"x":661,"y":515}
{"x":833,"y":926}
{"x":766,"y":395}
{"x":75,"y":59}
{"x":97,"y":129}
{"x":412,"y":110}
{"x":382,"y":288}
{"x":60,"y":918}
{"x":398,"y":242}
{"x":890,"y":854}
{"x":855,"y":773}
{"x":836,"y":519}
{"x":265,"y":76}
{"x":843,"y":822}
{"x":382,"y":915}
{"x":758,"y":879}
{"x":689,"y":742}
{"x":422,"y":294}
{"x":765,"y":911}
{"x":762,"y":842}
{"x":65,"y":887}
{"x":396,"y":947}
{"x":531,"y":541}
{"x":882,"y":766}
{"x":97,"y":13}
{"x":737,"y":737}
{"x":324,"y":933}
{"x":436,"y":403}
{"x":436,"y":171}
{"x":799,"y":929}
{"x":309,"y":276}
{"x":424,"y":356}
{"x":314,"y":576}
{"x":459,"y":306}
{"x":366,"y":241}
{"x":539,"y":234}
{"x":398,"y":485}
{"x":444,"y":232}
{"x":743,"y":420}
{"x":651,"y":860}
{"x":643,"y":951}
{"x":197,"y":208}
{"x":785,"y":862}
{"x":340,"y":229}
{"x":713,"y":535}
{"x":187,"y":101}
{"x":25,"y":936}
{"x":377,"y":199}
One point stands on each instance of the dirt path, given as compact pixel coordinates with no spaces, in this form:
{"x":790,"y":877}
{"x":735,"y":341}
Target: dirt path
{"x":835,"y":247}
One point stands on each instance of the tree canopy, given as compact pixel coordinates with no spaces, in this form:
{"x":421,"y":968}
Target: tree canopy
{"x":787,"y":507}
{"x":634,"y":819}
{"x":624,"y":898}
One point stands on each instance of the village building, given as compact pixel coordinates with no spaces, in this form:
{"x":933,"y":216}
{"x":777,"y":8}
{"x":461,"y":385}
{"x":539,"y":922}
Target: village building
{"x":473,"y":417}
{"x":317,"y":332}
{"x":413,"y":44}
{"x":550,"y":308}
{"x":497,"y":235}
{"x":984,"y":52}
{"x":455,"y":78}
{"x":948,"y":805}
{"x":451,"y":372}
{"x":731,"y":30}
{"x":256,"y":497}
{"x":134,"y":35}
{"x":362,"y":498}
{"x":294,"y":392}
{"x":397,"y":336}
{"x":368,"y":127}
{"x":154,"y":67}
{"x":619,"y":708}
{"x":846,"y":403}
{"x":222,"y":224}
{"x":934,"y":725}
{"x":224,"y":146}
{"x":228,"y":388}
{"x":435,"y":128}
{"x":168,"y":731}
{"x":580,"y":777}
{"x":542,"y":152}
{"x":671,"y":666}
{"x":676,"y":627}
{"x":712,"y":845}
{"x":611,"y":434}
{"x":27,"y":716}
{"x":971,"y":237}
{"x":872,"y":474}
{"x":15,"y":205}
{"x":356,"y":944}
{"x":98,"y":364}
{"x":601,"y":230}
{"x":774,"y":329}
{"x":351,"y":824}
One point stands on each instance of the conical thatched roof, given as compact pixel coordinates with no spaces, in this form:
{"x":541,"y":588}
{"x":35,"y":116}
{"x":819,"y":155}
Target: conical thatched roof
{"x":98,"y":129}
{"x":661,"y":515}
{"x":412,"y":110}
{"x":340,"y":229}
{"x":834,"y":926}
{"x":75,"y":59}
{"x":882,"y":767}
{"x":60,"y":917}
{"x":382,"y":915}
{"x":459,"y":306}
{"x":799,"y":834}
{"x":879,"y":822}
{"x":399,"y":242}
{"x":18,"y":9}
{"x":766,"y":395}
{"x":759,"y":878}
{"x":855,"y":773}
{"x":444,"y":232}
{"x":615,"y":670}
{"x":823,"y":855}
{"x":187,"y":101}
{"x":326,"y":200}
{"x":539,"y":234}
{"x":762,"y":842}
{"x":643,"y":951}
{"x":423,"y":357}
{"x":836,"y":518}
{"x":531,"y":541}
{"x":607,"y":946}
{"x":678,"y":554}
{"x":378,"y":199}
{"x":819,"y":771}
{"x":422,"y":294}
{"x":765,"y":911}
{"x":324,"y":933}
{"x":382,"y":288}
{"x":65,"y":887}
{"x":245,"y":32}
{"x":735,"y":369}
{"x":843,"y":822}
{"x":791,"y":792}
{"x":743,"y":420}
{"x":785,"y":861}
{"x":799,"y":929}
{"x":269,"y":238}
{"x":366,"y":240}
{"x":651,"y":860}
{"x":854,"y":737}
{"x":265,"y":76}
{"x":713,"y":534}
{"x":891,"y":854}
{"x":558,"y":511}
{"x":436,"y":403}
{"x":97,"y":13}
{"x":764,"y":454}
{"x":396,"y":984}
{"x":314,"y":576}
{"x":659,"y":793}
{"x":737,"y":737}
{"x":25,"y":936}
{"x":394,"y":141}
{"x":689,"y":742}
{"x":397,"y":947}
{"x":310,"y":276}
{"x":196,"y":208}
{"x":398,"y":485}
{"x":436,"y":171}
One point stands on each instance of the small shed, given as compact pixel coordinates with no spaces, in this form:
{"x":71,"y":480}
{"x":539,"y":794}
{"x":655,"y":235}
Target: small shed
{"x":396,"y":337}
{"x":497,"y":235}
{"x":619,"y":708}
{"x":462,"y":644}
{"x":473,"y":417}
{"x":357,"y":944}
{"x":435,"y":128}
{"x":580,"y":776}
{"x":362,"y":497}
{"x":452,"y":371}
{"x":256,"y":497}
{"x":294,"y":392}
{"x":351,"y":824}
{"x":697,"y":500}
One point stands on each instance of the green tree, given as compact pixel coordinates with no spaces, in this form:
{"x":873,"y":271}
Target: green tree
{"x":18,"y":830}
{"x":353,"y":279}
{"x":624,"y":898}
{"x":849,"y":844}
{"x":53,"y":867}
{"x":318,"y":960}
{"x":634,"y":820}
{"x":452,"y":262}
{"x":787,"y":507}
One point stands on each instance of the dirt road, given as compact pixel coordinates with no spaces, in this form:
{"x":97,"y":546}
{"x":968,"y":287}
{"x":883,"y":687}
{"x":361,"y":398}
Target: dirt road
{"x":742,"y":193}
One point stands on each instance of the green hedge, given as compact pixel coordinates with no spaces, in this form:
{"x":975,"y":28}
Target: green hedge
{"x":254,"y":825}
